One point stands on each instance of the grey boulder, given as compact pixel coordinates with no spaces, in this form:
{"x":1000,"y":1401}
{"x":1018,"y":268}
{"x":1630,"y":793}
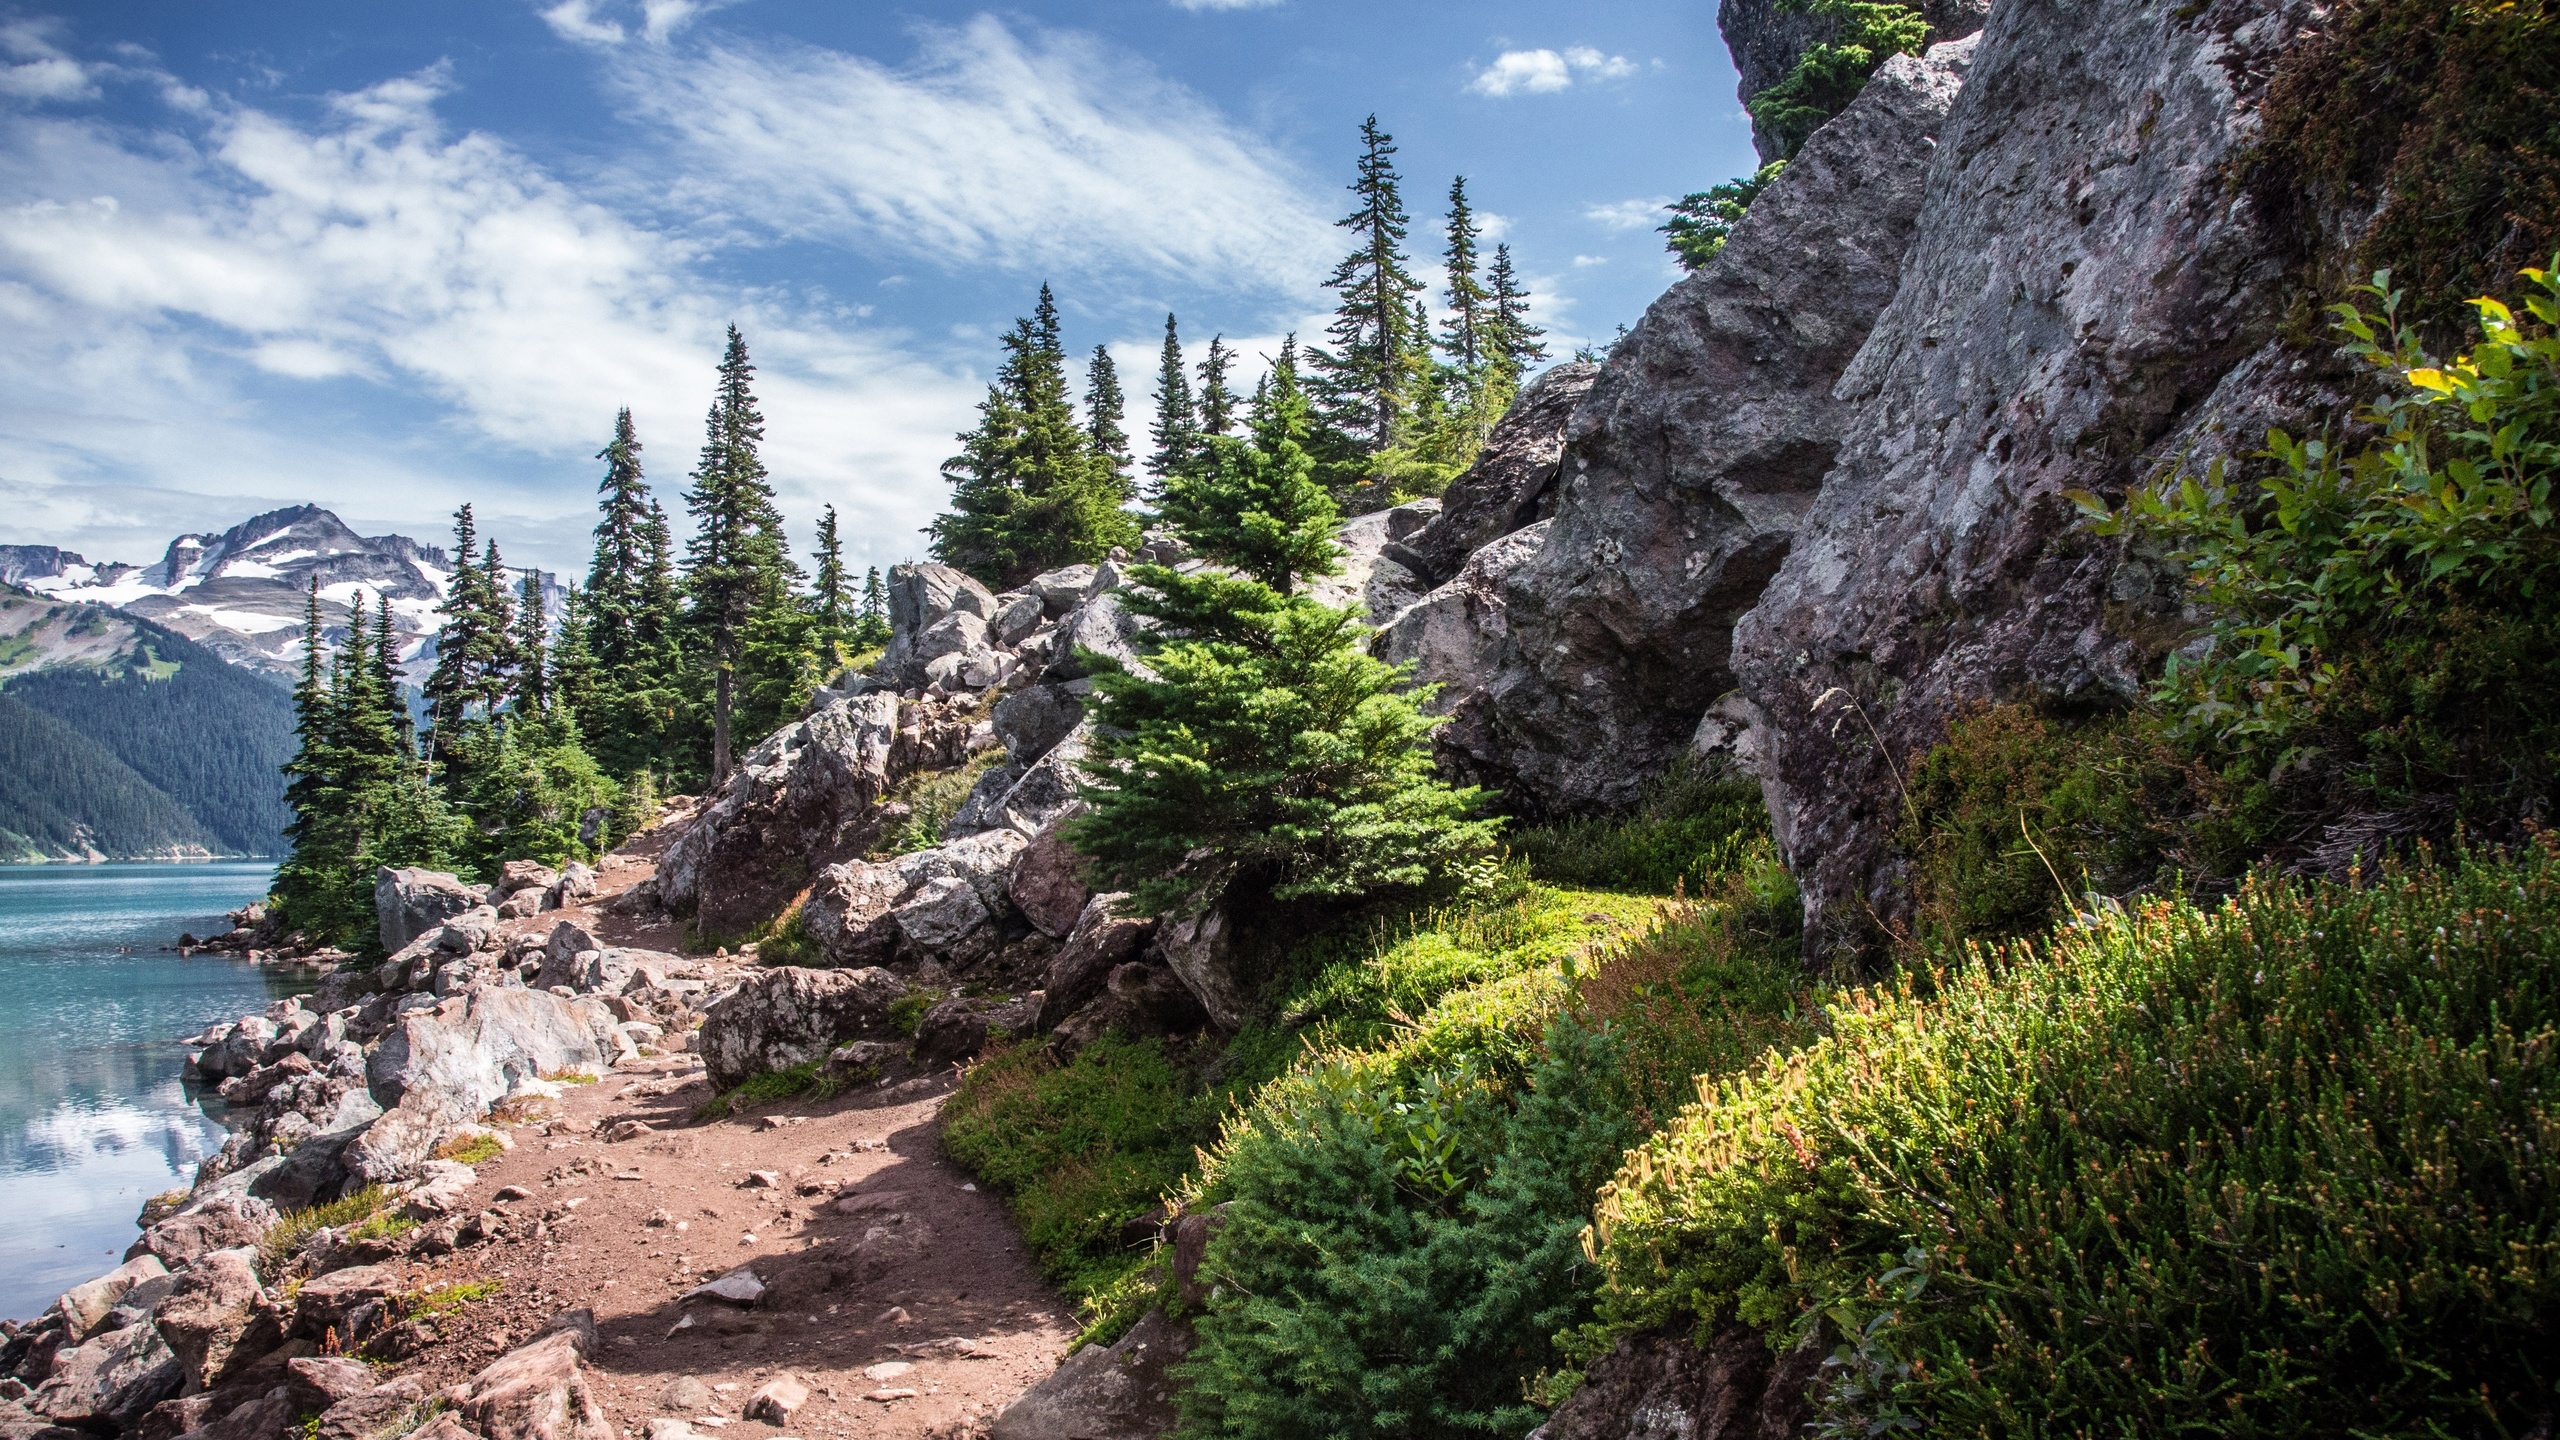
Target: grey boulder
{"x":408,"y":903}
{"x":790,"y":1016}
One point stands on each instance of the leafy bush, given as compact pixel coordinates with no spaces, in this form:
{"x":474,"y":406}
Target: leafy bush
{"x":2382,"y":638}
{"x":810,"y":1078}
{"x":282,"y":1239}
{"x":790,"y":943}
{"x":932,"y":799}
{"x":1701,"y":222}
{"x":2283,"y":1167}
{"x":1693,"y":825}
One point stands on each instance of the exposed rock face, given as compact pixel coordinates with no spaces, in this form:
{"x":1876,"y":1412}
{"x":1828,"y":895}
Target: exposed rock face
{"x":1766,"y":37}
{"x":2078,"y":305}
{"x":1511,"y":486}
{"x":1662,"y":1387}
{"x":1691,"y":462}
{"x":920,"y":597}
{"x":1371,"y":578}
{"x":1119,"y":1392}
{"x":539,"y":1392}
{"x":1457,"y":634}
{"x":409,"y":903}
{"x":446,"y":1066}
{"x":110,"y":1381}
{"x":804,"y":796}
{"x":790,"y":1016}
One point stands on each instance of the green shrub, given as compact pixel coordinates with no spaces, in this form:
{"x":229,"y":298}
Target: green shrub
{"x":1831,"y":72}
{"x":1693,"y":825}
{"x":2290,"y":1166}
{"x":810,"y":1078}
{"x":1080,"y":1149}
{"x":933,"y":798}
{"x":790,"y":943}
{"x":908,"y":1010}
{"x":2382,"y":642}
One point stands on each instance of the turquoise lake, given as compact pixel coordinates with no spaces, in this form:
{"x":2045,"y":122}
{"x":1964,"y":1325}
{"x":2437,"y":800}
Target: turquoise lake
{"x":93,"y":1117}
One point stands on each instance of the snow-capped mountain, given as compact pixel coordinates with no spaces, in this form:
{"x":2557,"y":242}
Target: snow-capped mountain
{"x":241,"y":593}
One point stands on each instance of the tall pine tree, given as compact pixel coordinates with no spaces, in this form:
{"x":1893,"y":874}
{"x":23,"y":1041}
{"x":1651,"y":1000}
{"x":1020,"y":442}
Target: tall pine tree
{"x":832,"y":606}
{"x":1217,"y":398}
{"x":1029,"y":493}
{"x":737,"y":563}
{"x":1105,"y":408}
{"x":871,"y":627}
{"x":1364,"y":376}
{"x":532,"y":646}
{"x":1465,"y":338}
{"x":1176,"y":429}
{"x":1515,"y":341}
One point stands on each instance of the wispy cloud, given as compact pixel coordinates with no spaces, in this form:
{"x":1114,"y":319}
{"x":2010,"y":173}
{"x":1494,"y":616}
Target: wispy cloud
{"x":610,"y":22}
{"x":1629,"y":214}
{"x":1541,"y":72}
{"x":164,"y":290}
{"x":1036,"y":151}
{"x":37,"y":68}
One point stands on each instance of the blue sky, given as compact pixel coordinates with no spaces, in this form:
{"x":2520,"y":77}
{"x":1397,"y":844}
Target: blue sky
{"x":390,"y":258}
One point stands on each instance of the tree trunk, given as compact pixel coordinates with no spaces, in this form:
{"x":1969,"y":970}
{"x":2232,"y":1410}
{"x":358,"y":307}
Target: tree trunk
{"x":720,"y":731}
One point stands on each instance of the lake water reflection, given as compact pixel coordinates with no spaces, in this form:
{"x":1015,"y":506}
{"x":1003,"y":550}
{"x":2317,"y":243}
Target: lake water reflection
{"x":93,"y":1117}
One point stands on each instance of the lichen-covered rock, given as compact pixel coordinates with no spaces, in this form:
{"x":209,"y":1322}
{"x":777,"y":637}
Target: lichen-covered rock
{"x":1512,"y":484}
{"x":1200,"y":950}
{"x":1692,"y":460}
{"x":450,"y":1064}
{"x":1100,"y":625}
{"x":1368,"y":579}
{"x":109,"y":1382}
{"x":409,"y":903}
{"x":943,"y":912}
{"x":538,"y":1392}
{"x":211,"y":1220}
{"x":805,"y":798}
{"x":1100,"y":943}
{"x":1047,"y":885}
{"x":1124,"y":1391}
{"x":790,"y":1016}
{"x":1663,"y":1387}
{"x":920,"y":596}
{"x":2085,"y":285}
{"x":84,"y":1307}
{"x":1455,"y":636}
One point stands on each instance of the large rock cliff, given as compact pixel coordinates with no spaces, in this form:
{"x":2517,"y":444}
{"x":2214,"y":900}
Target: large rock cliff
{"x":1687,"y":467}
{"x":1812,"y":505}
{"x":1766,"y":37}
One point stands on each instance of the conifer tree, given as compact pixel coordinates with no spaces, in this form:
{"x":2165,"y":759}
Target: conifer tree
{"x":620,"y":569}
{"x":1217,"y":400}
{"x":737,"y":563}
{"x":1105,"y":407}
{"x":832,"y":605}
{"x":1028,"y":492}
{"x":1265,"y":753}
{"x":532,"y":647}
{"x":871,"y":628}
{"x":573,"y":662}
{"x":1363,"y":375}
{"x":474,"y":645}
{"x":1176,"y":429}
{"x":386,"y":679}
{"x":498,"y":676}
{"x":1253,"y":504}
{"x":1515,"y":341}
{"x":1464,"y":338}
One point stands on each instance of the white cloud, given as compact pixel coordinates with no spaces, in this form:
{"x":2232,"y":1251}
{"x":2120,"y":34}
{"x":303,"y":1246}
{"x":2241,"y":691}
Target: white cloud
{"x":1587,"y":261}
{"x":1035,"y":152}
{"x":593,"y":22}
{"x":1542,"y":72}
{"x":376,"y":254}
{"x":37,"y":68}
{"x":1628,"y":214}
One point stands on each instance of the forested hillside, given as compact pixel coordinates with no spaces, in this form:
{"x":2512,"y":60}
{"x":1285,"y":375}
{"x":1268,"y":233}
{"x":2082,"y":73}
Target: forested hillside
{"x":145,"y":743}
{"x":63,"y":795}
{"x":211,"y":736}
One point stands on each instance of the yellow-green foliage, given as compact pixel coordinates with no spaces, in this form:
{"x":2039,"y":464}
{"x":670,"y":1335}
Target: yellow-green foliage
{"x":477,"y":1149}
{"x":933,"y":798}
{"x":446,"y":1299}
{"x":2286,"y":1166}
{"x":276,"y":1248}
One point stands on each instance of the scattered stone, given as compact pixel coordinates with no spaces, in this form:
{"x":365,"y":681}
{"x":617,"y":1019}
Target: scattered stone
{"x":687,"y":1392}
{"x":777,"y":1398}
{"x":761,"y":1180}
{"x":887,"y":1370}
{"x":885,"y":1396}
{"x":740,"y":1287}
{"x":512,"y":1192}
{"x":539,"y":1392}
{"x":1119,"y":1392}
{"x":658,"y":1220}
{"x":621,"y":1130}
{"x":894,"y":1315}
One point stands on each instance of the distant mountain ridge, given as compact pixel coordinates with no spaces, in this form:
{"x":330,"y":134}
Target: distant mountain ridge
{"x":240,"y":593}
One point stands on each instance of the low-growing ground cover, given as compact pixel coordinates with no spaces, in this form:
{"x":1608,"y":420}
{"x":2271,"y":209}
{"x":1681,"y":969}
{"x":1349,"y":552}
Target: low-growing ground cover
{"x":2287,"y":1165}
